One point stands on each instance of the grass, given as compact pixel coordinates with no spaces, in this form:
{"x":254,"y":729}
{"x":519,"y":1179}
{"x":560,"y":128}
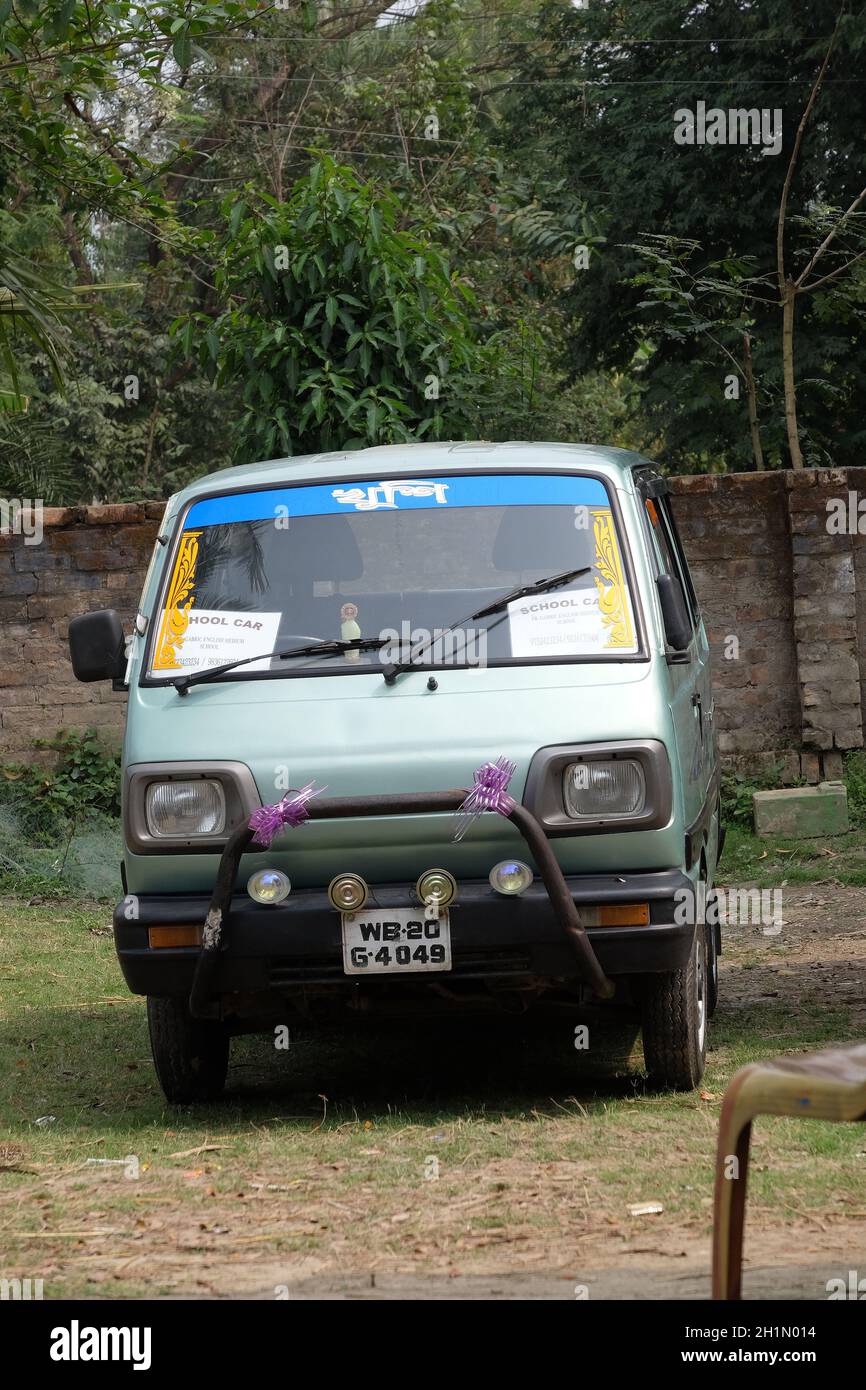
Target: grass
{"x":769,"y":863}
{"x":80,"y":859}
{"x":322,"y":1157}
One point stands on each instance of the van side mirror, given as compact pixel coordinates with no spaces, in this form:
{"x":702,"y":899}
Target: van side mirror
{"x":97,"y":646}
{"x":675,"y":614}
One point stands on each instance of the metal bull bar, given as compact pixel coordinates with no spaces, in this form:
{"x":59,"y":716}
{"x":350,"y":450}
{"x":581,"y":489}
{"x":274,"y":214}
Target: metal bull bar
{"x":202,"y":1000}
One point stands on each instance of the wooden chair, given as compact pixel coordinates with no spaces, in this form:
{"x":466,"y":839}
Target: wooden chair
{"x":827,"y":1085}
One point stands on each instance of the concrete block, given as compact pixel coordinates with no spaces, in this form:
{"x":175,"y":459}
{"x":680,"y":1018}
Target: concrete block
{"x":801,"y":813}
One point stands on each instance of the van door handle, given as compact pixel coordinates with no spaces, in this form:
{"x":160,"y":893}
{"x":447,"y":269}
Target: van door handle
{"x":698,"y":708}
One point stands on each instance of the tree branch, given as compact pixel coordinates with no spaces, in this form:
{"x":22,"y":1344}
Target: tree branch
{"x":826,"y":242}
{"x":840,"y":270}
{"x":120,"y":156}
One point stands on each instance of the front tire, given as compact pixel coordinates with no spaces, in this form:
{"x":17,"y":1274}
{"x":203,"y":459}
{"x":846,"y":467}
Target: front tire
{"x":191,"y":1055}
{"x":675,"y":1009}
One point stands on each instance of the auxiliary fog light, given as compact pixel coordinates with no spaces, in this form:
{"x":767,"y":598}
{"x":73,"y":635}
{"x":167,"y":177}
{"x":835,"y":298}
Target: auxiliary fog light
{"x":269,"y":887}
{"x":510,"y":877}
{"x":436,"y":888}
{"x":348,"y":892}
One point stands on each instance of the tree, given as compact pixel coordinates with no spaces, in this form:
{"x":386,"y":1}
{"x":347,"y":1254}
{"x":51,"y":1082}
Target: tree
{"x":712,"y":304}
{"x":55,"y":61}
{"x":600,"y":103}
{"x":835,"y":221}
{"x":343,"y":327}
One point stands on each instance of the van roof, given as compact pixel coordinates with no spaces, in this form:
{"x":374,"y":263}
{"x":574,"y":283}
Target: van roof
{"x":392,"y":460}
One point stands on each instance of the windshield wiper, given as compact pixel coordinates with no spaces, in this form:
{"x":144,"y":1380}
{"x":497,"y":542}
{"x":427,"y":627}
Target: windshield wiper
{"x":554,"y":581}
{"x":357,"y":644}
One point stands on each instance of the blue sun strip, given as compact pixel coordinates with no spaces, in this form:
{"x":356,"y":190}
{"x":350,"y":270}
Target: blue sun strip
{"x":400,"y":495}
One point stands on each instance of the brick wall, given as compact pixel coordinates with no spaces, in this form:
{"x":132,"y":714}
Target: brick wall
{"x":90,"y":557}
{"x":736,"y":533}
{"x":784,"y":602}
{"x":771,"y":574}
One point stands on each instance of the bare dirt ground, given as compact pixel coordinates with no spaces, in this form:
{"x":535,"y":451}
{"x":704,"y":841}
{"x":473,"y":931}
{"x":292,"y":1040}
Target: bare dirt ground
{"x":317,"y":1188}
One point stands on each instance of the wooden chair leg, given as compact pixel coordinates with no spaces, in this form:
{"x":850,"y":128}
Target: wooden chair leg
{"x":738,"y":1214}
{"x":730,"y":1202}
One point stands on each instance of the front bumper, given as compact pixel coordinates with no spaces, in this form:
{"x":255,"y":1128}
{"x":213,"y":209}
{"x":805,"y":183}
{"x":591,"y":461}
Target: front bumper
{"x":299,"y":942}
{"x":576,"y":959}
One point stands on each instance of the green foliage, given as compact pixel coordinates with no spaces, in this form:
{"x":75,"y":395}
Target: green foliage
{"x":55,"y":58}
{"x":26,"y":308}
{"x":855,"y":781}
{"x":492,"y":141}
{"x":59,"y":63}
{"x":49,"y":801}
{"x":83,"y":861}
{"x":738,"y":788}
{"x":126,"y":189}
{"x":59,"y":826}
{"x":130,"y":427}
{"x":528,"y":397}
{"x":344,"y":326}
{"x":657,"y":56}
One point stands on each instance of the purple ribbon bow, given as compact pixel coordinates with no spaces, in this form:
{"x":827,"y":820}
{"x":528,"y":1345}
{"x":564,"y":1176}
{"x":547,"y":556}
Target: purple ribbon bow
{"x":266,"y":821}
{"x":489,"y":793}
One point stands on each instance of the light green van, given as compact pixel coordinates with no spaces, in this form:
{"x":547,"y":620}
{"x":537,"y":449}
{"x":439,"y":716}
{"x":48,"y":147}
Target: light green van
{"x":410,"y":727}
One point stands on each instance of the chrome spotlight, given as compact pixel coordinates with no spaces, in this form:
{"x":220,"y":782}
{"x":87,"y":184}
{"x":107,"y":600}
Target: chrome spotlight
{"x":510,"y":877}
{"x":269,"y":887}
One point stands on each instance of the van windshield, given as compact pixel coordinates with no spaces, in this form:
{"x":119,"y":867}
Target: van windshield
{"x":258,"y":572}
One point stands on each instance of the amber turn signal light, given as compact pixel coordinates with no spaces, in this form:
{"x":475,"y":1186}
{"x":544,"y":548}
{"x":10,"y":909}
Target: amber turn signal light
{"x":174,"y":936}
{"x":614,"y":914}
{"x":624,"y":915}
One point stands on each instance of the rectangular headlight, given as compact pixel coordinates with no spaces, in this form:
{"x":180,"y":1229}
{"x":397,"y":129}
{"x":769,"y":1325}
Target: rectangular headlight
{"x":604,"y":787}
{"x":177,"y":810}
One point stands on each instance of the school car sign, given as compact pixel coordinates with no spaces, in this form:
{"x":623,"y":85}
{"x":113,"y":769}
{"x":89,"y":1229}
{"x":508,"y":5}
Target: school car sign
{"x":562,"y":624}
{"x":214,"y":636}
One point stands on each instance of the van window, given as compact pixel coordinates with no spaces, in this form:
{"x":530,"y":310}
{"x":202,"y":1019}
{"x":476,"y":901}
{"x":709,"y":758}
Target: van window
{"x":256,"y":572}
{"x":689,"y":588}
{"x":666,"y":548}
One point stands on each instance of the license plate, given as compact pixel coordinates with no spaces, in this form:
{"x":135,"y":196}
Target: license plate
{"x":395,"y":941}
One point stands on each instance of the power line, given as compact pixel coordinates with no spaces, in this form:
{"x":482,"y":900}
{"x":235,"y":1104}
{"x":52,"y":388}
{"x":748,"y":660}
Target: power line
{"x":614,"y":42}
{"x":264,"y":124}
{"x":695,"y":80}
{"x":339,"y":149}
{"x":405,"y":19}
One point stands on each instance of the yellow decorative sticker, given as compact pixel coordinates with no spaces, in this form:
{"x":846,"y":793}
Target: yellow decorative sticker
{"x":612,"y":593}
{"x":175,"y":619}
{"x":586,"y":618}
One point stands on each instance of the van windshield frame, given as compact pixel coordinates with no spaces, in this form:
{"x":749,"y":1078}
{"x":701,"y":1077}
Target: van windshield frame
{"x":331,"y":665}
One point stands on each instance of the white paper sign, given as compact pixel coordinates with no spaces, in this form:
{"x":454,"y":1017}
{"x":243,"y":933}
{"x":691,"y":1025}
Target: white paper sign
{"x":215,"y":636}
{"x":558,"y":624}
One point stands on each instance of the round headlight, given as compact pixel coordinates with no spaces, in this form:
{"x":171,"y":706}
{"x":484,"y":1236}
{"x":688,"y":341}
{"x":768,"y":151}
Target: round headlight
{"x":436,"y":887}
{"x":348,"y":892}
{"x":269,"y":886}
{"x":184,"y":808}
{"x":510,"y":877}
